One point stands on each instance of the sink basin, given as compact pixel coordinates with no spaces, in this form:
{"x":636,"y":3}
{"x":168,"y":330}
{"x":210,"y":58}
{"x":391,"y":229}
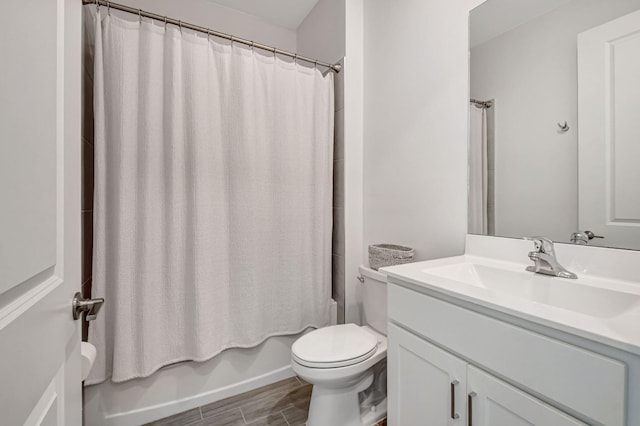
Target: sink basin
{"x":582,"y":295}
{"x":602,"y":304}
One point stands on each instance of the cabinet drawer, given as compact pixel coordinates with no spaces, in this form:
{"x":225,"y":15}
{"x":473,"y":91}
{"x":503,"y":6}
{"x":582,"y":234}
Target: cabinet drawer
{"x":576,"y":379}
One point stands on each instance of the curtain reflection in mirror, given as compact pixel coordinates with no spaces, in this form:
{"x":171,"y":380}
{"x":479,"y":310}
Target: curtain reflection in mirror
{"x":481,"y":169}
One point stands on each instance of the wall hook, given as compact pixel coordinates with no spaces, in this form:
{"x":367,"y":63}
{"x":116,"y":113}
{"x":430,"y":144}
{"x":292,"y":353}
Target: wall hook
{"x":564,"y":128}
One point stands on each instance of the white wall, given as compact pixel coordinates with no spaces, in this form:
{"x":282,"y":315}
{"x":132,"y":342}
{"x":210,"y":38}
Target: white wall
{"x":531,"y":72}
{"x":415,"y":124}
{"x":322,"y":33}
{"x":322,"y":36}
{"x":211,"y":15}
{"x":334,"y":29}
{"x":353,"y":155}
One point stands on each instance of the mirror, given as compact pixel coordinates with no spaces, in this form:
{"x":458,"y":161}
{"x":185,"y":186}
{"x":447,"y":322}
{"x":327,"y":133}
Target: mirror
{"x":554,"y":146}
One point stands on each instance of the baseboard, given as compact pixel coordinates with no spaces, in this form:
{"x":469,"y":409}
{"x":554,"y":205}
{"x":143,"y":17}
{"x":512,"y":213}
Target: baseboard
{"x":155,"y":412}
{"x":181,"y":387}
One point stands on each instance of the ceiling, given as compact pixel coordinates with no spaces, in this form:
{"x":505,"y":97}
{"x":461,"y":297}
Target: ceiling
{"x":284,"y":13}
{"x":495,"y":17}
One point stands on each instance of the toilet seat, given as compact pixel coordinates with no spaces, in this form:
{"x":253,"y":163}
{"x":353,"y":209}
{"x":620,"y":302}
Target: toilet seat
{"x":335,"y":346}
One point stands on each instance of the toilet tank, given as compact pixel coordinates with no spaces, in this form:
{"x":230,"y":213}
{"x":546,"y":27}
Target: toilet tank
{"x":374,"y":299}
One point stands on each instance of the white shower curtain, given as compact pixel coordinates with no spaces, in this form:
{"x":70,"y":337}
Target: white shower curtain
{"x":213,"y":197}
{"x":478,"y":179}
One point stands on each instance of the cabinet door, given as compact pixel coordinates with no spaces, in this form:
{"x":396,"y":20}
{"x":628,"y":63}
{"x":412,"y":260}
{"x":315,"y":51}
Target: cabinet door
{"x":492,"y":402}
{"x":426,"y":385}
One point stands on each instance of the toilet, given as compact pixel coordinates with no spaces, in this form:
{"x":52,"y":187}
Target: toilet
{"x":341,"y":361}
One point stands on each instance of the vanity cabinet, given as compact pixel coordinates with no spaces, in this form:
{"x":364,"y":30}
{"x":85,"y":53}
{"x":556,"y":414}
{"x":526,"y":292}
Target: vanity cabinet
{"x":428,"y":385}
{"x":424,"y":382}
{"x":451,"y":365}
{"x":492,"y":402}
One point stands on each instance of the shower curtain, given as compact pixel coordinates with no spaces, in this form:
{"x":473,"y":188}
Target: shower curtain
{"x":213,"y":197}
{"x":478,"y":179}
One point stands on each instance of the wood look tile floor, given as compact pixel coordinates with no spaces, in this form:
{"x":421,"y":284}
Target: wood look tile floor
{"x":283,"y":403}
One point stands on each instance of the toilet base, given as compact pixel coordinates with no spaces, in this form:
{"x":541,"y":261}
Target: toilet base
{"x":330,"y":406}
{"x":374,"y":414}
{"x":337,"y":406}
{"x":335,"y":398}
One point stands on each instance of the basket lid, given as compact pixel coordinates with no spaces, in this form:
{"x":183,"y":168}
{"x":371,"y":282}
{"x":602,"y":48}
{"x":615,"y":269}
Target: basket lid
{"x":394,"y":247}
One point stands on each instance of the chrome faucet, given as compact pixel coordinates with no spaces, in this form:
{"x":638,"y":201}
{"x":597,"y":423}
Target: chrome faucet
{"x":544,"y":259}
{"x":583,"y":238}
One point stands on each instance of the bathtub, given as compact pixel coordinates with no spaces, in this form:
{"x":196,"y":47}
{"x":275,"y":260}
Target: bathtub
{"x":188,"y":385}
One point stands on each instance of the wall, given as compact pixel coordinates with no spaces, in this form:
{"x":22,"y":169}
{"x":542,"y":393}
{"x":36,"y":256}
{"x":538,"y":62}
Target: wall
{"x":211,"y":15}
{"x":87,"y":161}
{"x":322,"y":36}
{"x":188,"y":385}
{"x":353,"y":156}
{"x":531,"y":72}
{"x":339,"y":232}
{"x":322,"y":33}
{"x":416,"y":100}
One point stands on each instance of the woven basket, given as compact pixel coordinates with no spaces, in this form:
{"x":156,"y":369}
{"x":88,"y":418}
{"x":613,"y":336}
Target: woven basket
{"x":381,"y":255}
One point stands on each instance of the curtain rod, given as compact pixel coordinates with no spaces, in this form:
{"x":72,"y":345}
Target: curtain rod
{"x":482,"y":104}
{"x":142,"y":13}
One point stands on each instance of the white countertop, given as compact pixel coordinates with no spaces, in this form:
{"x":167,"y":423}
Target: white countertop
{"x":578,"y":307}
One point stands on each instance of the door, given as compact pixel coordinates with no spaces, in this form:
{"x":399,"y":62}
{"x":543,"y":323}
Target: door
{"x":426,"y":385}
{"x":609,"y":131}
{"x":39,"y":212}
{"x":491,"y":402}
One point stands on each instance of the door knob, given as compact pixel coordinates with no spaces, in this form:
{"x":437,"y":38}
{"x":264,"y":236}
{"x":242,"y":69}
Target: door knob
{"x":90,"y":306}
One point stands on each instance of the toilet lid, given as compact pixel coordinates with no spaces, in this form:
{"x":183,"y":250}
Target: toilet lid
{"x":335,"y":346}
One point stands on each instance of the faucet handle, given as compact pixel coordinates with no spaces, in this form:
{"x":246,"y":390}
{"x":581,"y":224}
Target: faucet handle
{"x":543,"y":244}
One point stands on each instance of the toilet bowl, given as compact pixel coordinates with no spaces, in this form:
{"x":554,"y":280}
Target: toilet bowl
{"x":339,"y":362}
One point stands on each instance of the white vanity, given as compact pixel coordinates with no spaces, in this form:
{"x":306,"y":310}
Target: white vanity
{"x":477,"y":340}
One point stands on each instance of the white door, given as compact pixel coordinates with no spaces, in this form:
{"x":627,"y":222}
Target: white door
{"x":495,"y":403}
{"x":609,"y":131}
{"x":426,"y":385}
{"x":39,"y":212}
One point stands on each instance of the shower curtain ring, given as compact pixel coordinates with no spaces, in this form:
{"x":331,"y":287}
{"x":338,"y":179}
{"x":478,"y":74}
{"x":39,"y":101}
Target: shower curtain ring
{"x":180,"y":25}
{"x":165,"y":22}
{"x":140,"y":15}
{"x":295,"y":58}
{"x":108,"y":8}
{"x":315,"y":64}
{"x":98,"y":6}
{"x":252,"y":43}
